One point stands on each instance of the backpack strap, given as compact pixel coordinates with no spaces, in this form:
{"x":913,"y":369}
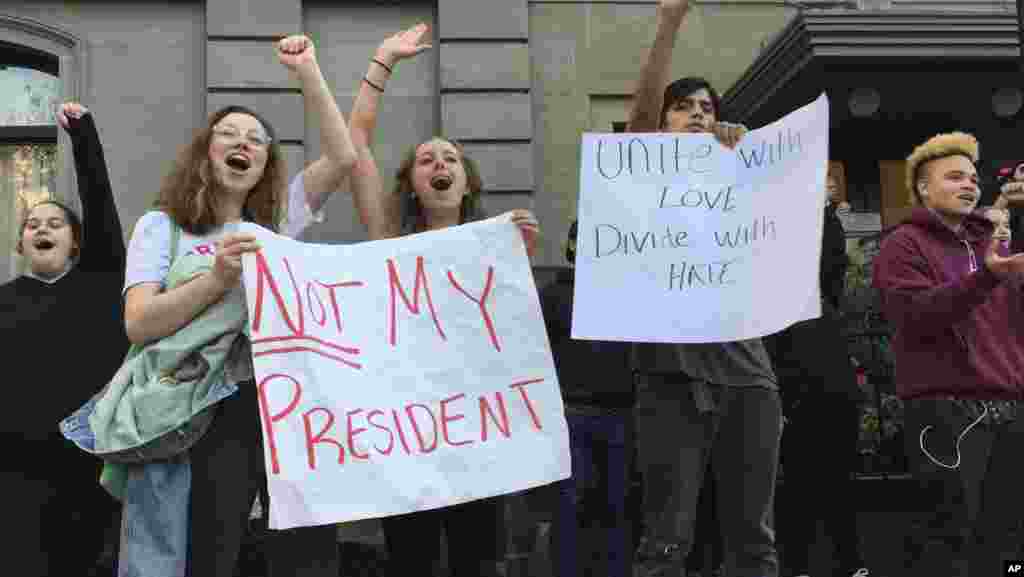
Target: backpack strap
{"x":175,"y":239}
{"x":135,"y":349}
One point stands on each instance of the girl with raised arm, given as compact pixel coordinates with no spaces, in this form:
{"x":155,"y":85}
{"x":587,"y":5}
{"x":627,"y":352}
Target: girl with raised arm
{"x":232,"y":171}
{"x":438,"y":186}
{"x":63,"y":337}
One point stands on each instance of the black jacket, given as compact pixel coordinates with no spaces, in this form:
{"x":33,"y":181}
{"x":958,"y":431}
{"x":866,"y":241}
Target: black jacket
{"x":593,"y":373}
{"x":812,"y":356}
{"x":834,"y":261}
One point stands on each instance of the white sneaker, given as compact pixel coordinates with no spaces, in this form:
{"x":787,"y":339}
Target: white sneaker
{"x":862,"y":572}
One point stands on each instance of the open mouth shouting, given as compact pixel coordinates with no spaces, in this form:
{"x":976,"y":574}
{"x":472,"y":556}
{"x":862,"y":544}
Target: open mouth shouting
{"x":967,"y":198}
{"x":441,"y":182}
{"x":238,"y":162}
{"x":43,"y":244}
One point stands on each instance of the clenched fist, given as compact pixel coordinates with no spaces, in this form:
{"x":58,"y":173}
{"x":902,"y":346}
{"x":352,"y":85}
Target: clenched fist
{"x":296,"y":53}
{"x":70,"y":110}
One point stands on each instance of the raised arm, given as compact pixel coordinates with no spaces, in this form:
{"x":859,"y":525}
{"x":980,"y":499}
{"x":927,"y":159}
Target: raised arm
{"x":337,"y":155}
{"x":646,"y":111}
{"x":103,"y":247}
{"x":379,"y":210}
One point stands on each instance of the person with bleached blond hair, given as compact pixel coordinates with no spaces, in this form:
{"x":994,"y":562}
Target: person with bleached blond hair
{"x":956,"y":300}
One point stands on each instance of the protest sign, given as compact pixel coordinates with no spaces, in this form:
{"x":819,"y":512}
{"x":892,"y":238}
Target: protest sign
{"x":401,"y":375}
{"x":683,"y":240}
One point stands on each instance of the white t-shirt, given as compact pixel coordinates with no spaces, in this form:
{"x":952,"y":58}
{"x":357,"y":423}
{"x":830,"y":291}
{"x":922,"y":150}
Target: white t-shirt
{"x":149,"y":259}
{"x":149,"y":251}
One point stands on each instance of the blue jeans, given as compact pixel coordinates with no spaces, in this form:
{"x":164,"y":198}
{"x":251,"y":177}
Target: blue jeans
{"x":594,"y":439}
{"x":155,"y":519}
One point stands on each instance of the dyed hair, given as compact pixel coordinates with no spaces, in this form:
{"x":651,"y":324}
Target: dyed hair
{"x":69,"y":215}
{"x":187,"y":194}
{"x":684,"y":87}
{"x":412,"y":213}
{"x":936,"y":147}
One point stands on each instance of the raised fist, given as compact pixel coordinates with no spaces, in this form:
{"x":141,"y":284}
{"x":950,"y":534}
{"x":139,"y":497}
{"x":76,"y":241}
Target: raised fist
{"x":70,"y":110}
{"x":675,"y":7}
{"x":296,"y":53}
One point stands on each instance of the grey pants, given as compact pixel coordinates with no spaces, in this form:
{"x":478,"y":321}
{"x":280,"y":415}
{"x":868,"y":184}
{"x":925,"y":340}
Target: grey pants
{"x":679,"y":424}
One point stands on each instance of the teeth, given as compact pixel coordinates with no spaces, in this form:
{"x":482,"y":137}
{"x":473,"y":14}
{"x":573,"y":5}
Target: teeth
{"x":238,"y":161}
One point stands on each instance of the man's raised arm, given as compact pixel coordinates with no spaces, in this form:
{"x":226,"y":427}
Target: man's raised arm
{"x":645,"y":115}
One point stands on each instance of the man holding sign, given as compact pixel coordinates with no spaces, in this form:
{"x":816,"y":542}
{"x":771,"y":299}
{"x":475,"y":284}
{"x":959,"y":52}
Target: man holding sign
{"x":719,"y":397}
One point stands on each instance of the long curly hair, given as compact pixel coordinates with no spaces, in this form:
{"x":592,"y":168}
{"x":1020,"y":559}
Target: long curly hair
{"x":412,"y":212}
{"x":189,"y":192}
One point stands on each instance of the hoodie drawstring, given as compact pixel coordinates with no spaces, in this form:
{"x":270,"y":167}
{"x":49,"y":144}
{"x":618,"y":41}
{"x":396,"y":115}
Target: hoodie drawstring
{"x":970,"y":254}
{"x":959,"y":438}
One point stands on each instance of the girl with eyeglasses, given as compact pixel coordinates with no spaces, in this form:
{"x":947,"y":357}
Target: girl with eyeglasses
{"x":233,"y":170}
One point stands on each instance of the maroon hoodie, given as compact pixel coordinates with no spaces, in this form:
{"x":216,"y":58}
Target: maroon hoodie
{"x":959,"y":329}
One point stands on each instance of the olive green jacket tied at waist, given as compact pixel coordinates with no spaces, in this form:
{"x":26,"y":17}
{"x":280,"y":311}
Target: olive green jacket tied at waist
{"x":161,"y":401}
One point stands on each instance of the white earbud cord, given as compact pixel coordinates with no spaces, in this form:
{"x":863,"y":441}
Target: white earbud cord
{"x":958,"y":439}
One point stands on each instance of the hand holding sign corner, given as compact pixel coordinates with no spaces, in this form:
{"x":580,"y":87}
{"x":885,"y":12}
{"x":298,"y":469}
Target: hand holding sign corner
{"x":693,"y":242}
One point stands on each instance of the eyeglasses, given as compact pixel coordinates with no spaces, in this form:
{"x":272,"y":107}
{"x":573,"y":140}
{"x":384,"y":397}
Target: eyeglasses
{"x":255,"y":138}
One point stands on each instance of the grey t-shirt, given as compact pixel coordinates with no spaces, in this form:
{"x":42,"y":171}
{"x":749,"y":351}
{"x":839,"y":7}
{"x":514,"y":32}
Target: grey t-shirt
{"x":735,"y":364}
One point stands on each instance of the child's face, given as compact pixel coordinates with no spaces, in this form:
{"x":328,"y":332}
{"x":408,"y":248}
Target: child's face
{"x":1001,"y":219}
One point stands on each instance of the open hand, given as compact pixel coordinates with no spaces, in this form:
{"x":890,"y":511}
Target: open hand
{"x":70,"y":110}
{"x":1003,"y":267}
{"x":227,"y":263}
{"x":728,"y":134}
{"x":528,"y":227}
{"x":404,"y":44}
{"x":296,"y":53}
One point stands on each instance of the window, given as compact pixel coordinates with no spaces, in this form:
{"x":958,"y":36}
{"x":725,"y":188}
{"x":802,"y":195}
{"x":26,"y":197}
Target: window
{"x":28,"y":148}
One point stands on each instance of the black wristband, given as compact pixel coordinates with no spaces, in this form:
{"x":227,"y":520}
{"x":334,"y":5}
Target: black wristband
{"x":385,"y":66}
{"x":367,"y":80}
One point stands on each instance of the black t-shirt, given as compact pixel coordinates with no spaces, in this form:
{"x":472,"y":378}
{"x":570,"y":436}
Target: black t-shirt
{"x":595,"y":373}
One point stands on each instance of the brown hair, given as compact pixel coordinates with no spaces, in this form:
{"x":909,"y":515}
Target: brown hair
{"x":69,"y":215}
{"x":412,"y":212}
{"x":186,"y":193}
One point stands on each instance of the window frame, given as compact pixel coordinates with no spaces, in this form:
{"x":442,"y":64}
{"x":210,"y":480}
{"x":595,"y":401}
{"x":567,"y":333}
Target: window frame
{"x":56,"y":51}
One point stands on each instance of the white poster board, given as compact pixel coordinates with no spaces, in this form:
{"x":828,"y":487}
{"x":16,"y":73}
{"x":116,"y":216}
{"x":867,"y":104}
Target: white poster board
{"x":682,"y":240}
{"x":401,"y":375}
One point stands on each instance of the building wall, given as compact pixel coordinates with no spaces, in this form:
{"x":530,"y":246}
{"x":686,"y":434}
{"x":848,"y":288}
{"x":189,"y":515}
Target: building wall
{"x":516,"y":81}
{"x":144,"y":82}
{"x":585,"y":61}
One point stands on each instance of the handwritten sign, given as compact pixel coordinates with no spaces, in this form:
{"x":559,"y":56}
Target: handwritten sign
{"x":401,"y":375}
{"x":683,"y":240}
